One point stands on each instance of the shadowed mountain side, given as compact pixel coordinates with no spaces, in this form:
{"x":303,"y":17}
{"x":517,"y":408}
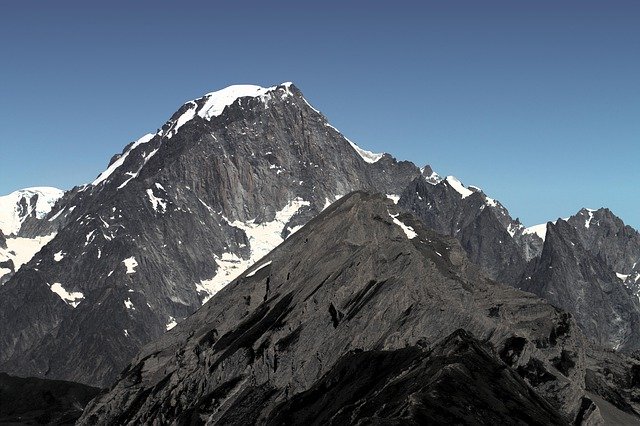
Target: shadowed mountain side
{"x":37,"y":401}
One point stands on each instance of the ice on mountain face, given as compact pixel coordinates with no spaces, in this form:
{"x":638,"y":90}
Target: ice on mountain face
{"x":58,"y":256}
{"x":185,"y":117}
{"x":368,"y":156}
{"x":12,"y":215}
{"x":4,"y":271}
{"x":328,"y":202}
{"x":394,"y":198}
{"x":491,"y":202}
{"x":263,"y":237}
{"x":133,"y":175}
{"x":158,"y":204}
{"x":539,"y":230}
{"x":21,"y":250}
{"x":131,"y":264}
{"x":622,"y":277}
{"x":409,"y":232}
{"x":57,"y":214}
{"x":73,"y":298}
{"x":172,"y":323}
{"x":433,"y":178}
{"x":216,"y":102}
{"x":458,"y":186}
{"x":587,"y":222}
{"x":512,"y":229}
{"x":230,"y":266}
{"x":129,"y":304}
{"x":258,"y":268}
{"x":114,"y":166}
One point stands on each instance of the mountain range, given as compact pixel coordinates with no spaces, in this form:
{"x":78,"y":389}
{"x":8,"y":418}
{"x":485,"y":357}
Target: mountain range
{"x":419,"y":281}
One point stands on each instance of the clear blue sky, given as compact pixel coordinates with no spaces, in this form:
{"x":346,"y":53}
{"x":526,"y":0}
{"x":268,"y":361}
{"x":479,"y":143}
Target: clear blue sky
{"x":537,"y":102}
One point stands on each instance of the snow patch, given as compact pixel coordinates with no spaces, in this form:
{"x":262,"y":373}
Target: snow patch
{"x":539,"y":230}
{"x":409,"y":232}
{"x":217,"y":101}
{"x":114,"y":166}
{"x":58,"y":256}
{"x":394,"y":198}
{"x":73,"y":298}
{"x":129,"y":304}
{"x":157,"y":202}
{"x":458,"y":186}
{"x":131,"y":264}
{"x":21,"y":250}
{"x":263,"y":237}
{"x":587,"y":222}
{"x":259,"y":268}
{"x":184,"y":118}
{"x":172,"y":323}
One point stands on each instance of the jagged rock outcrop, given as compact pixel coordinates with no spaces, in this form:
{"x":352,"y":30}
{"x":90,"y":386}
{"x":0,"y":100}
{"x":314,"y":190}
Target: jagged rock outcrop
{"x":491,"y":238}
{"x":570,"y":276}
{"x":607,"y":238}
{"x":358,"y":280}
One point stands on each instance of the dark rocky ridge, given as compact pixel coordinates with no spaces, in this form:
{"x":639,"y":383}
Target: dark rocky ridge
{"x":37,"y":401}
{"x":349,"y":280}
{"x":459,"y":381}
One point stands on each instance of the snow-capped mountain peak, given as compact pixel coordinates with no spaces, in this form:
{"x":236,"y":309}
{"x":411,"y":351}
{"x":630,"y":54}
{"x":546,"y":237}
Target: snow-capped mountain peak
{"x":16,"y":207}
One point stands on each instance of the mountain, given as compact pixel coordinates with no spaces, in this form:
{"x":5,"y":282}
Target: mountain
{"x":360,"y":285}
{"x":174,"y":217}
{"x":21,"y":212}
{"x":181,"y":212}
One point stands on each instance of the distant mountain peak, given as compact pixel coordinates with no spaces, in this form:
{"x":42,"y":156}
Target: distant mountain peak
{"x":16,"y":207}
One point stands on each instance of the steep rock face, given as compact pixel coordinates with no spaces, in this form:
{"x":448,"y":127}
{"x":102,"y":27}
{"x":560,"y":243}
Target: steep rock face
{"x":357,"y":277}
{"x":607,"y":237}
{"x":491,"y":238}
{"x":174,"y":218}
{"x":569,"y":276}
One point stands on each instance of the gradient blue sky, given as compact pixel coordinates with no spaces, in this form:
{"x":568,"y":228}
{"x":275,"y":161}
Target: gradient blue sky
{"x":537,"y":102}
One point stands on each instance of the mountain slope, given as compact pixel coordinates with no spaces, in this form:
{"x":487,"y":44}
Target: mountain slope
{"x":356,"y":278}
{"x":174,"y":218}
